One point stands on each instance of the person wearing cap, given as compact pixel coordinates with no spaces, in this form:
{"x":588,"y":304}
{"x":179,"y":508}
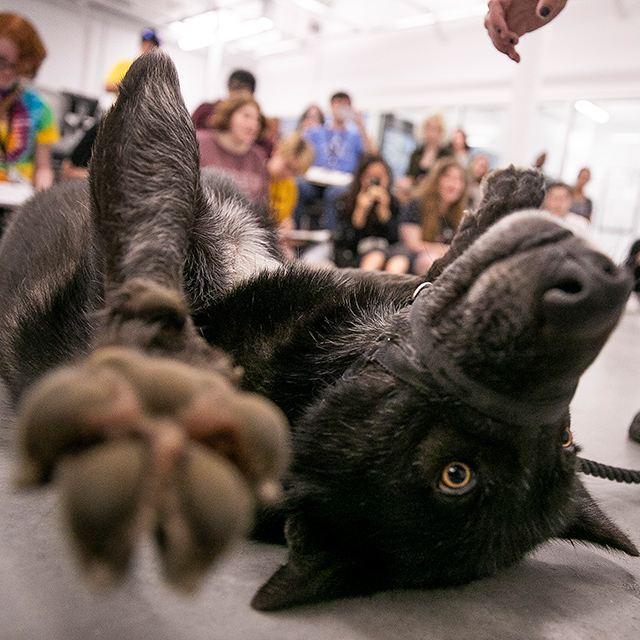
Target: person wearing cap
{"x":148,"y":40}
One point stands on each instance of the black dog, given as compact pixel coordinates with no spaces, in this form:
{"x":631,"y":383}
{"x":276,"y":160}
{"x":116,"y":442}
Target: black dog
{"x":430,"y":427}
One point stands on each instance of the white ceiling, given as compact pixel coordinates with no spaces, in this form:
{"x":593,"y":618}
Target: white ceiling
{"x":296,"y":21}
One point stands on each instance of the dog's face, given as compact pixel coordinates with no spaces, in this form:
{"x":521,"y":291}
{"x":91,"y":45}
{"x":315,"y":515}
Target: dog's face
{"x":449,"y":455}
{"x":524,"y":310}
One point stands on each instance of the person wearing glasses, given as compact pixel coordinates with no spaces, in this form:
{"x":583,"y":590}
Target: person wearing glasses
{"x":27,"y":126}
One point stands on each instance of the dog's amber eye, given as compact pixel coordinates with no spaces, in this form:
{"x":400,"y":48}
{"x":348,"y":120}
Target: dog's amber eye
{"x":567,"y":440}
{"x":457,"y":477}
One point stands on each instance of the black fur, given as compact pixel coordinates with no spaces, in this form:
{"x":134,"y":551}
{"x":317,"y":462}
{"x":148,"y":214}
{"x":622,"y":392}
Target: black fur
{"x":519,"y":307}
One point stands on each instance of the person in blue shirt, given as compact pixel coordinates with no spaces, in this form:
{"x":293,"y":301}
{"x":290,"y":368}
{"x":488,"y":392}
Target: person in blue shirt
{"x":338,"y":145}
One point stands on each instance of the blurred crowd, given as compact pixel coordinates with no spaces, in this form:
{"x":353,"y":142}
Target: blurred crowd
{"x":325,"y":185}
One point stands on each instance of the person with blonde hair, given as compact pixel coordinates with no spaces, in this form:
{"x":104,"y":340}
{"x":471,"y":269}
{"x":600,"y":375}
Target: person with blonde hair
{"x":432,"y":148}
{"x":27,"y":127}
{"x":229,"y":144}
{"x":580,"y":203}
{"x":430,"y":219}
{"x":292,"y":156}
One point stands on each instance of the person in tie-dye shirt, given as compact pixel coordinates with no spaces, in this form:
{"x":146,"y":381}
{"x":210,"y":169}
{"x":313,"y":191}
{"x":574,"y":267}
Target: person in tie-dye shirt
{"x":27,"y":127}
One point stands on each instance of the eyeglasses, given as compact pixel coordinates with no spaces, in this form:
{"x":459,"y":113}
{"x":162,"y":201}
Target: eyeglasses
{"x":5,"y":64}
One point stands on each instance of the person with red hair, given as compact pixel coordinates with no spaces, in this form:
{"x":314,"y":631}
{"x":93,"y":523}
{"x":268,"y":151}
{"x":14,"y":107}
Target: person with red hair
{"x":27,"y":127}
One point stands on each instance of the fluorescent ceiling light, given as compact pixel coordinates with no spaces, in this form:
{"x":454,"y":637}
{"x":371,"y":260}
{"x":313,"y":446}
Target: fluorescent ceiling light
{"x":261,"y":39}
{"x":277,"y":47}
{"x":447,"y":15}
{"x":222,"y":25}
{"x":592,"y":111}
{"x":313,"y":5}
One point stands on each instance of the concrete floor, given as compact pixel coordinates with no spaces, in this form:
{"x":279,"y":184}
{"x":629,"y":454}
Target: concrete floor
{"x":561,"y":591}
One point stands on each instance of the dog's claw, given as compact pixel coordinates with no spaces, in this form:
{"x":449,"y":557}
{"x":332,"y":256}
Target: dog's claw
{"x":150,"y":444}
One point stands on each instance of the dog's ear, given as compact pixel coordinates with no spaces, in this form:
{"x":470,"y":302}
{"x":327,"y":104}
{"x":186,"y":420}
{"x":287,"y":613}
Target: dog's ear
{"x":590,"y":524}
{"x":145,"y":174}
{"x":314,"y":572}
{"x":292,"y":586}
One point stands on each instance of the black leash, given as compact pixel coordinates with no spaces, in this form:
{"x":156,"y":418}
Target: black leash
{"x":599,"y":470}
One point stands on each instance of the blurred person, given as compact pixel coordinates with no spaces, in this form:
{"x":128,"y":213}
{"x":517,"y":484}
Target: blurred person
{"x":148,"y":40}
{"x":402,"y":189}
{"x":338,"y":145}
{"x":230,"y":145}
{"x":558,"y":202}
{"x":477,"y":170}
{"x":461,"y":150}
{"x":432,"y":148}
{"x":270,"y":136}
{"x":311,"y":117}
{"x":368,"y":216}
{"x":77,"y":164}
{"x":431,"y":218}
{"x":507,"y":20}
{"x":239,"y":81}
{"x":27,"y":127}
{"x":292,"y":156}
{"x":633,"y":263}
{"x":580,"y":204}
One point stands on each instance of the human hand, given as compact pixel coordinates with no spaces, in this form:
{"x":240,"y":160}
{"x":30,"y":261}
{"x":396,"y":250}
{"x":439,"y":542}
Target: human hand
{"x":507,"y":20}
{"x":379,"y":194}
{"x":358,"y":119}
{"x":43,"y":178}
{"x":365,"y":198}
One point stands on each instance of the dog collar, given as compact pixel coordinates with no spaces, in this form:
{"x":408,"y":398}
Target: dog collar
{"x":423,"y":362}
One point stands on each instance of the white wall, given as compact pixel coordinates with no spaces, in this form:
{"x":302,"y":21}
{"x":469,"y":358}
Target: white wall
{"x":589,"y":52}
{"x":82,"y":47}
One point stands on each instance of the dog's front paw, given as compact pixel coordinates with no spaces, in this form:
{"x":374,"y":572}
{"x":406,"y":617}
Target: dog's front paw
{"x":149,"y":444}
{"x":145,"y":315}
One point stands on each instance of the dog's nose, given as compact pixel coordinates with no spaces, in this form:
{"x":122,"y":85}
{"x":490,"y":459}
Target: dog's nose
{"x":585,"y":294}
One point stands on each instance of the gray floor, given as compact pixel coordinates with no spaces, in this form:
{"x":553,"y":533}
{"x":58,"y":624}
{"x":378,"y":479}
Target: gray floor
{"x":564,"y":592}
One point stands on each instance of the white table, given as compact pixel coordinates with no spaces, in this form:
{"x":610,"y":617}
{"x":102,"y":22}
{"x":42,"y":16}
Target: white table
{"x":13,"y":194}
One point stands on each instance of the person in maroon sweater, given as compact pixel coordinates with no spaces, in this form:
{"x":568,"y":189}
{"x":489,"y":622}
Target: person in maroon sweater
{"x":230,"y":145}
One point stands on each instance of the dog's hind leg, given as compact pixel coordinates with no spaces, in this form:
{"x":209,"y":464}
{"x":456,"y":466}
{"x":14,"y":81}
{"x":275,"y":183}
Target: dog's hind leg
{"x":149,"y":432}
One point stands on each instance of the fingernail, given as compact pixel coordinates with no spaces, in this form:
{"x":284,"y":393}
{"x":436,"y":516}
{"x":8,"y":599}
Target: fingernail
{"x":545,"y":11}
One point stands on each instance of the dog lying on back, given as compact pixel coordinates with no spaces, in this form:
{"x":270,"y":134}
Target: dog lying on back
{"x":430,"y":432}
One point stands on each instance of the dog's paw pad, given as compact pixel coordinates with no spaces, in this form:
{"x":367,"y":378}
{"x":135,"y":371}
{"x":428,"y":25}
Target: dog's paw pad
{"x":150,"y":444}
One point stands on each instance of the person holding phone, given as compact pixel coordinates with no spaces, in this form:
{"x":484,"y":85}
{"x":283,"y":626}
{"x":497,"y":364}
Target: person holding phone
{"x":338,"y":145}
{"x":368,"y":215}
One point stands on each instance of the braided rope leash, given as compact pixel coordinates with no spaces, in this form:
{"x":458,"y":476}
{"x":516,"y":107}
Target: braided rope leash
{"x":608,"y":472}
